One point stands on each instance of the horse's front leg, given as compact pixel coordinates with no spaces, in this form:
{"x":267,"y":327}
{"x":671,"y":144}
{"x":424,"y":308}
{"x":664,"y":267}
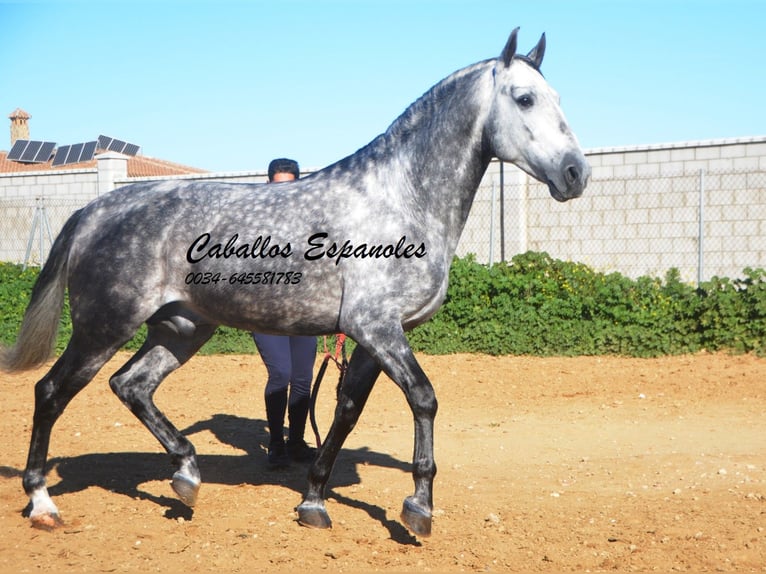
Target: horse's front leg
{"x":402,"y":367}
{"x":393,"y":353}
{"x":362,"y":373}
{"x":389,"y":350}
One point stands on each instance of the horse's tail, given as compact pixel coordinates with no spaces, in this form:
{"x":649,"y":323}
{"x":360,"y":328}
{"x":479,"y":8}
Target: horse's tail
{"x":39,"y":328}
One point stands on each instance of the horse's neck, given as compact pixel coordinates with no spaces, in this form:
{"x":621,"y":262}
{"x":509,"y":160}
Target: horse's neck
{"x":431,"y":160}
{"x":443,"y":157}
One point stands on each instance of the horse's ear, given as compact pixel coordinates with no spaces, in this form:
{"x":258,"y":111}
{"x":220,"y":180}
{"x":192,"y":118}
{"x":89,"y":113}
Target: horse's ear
{"x":537,"y":53}
{"x":510,"y":48}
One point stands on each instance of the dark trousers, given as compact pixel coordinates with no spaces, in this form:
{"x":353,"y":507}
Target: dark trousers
{"x":289,"y":361}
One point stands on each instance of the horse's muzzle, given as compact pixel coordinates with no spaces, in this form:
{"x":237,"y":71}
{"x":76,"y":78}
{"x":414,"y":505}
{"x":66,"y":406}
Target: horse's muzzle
{"x":572,"y":179}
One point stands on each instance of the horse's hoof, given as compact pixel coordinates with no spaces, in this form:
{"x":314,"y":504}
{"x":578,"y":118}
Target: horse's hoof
{"x":416,"y":518}
{"x":186,"y":489}
{"x":313,"y":516}
{"x":47,"y":521}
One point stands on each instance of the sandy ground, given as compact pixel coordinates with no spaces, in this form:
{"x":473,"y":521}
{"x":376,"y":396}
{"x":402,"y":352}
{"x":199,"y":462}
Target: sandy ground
{"x":550,"y":465}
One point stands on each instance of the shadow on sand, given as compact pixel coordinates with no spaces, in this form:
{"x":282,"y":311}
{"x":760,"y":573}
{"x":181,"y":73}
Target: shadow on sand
{"x":124,"y":472}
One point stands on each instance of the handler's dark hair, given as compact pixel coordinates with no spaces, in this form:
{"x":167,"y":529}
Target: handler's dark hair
{"x":284,"y":165}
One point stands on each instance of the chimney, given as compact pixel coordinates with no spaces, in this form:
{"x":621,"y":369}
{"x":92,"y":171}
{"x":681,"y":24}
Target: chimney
{"x":19,"y":125}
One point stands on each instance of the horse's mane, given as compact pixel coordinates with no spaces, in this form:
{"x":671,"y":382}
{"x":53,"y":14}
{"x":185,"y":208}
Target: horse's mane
{"x":410,"y":119}
{"x":421,"y":110}
{"x":436,"y":95}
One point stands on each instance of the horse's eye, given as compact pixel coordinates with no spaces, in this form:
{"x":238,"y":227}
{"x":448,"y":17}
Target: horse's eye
{"x":525,"y":101}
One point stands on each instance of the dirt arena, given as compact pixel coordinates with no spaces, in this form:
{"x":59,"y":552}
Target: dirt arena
{"x":549,"y":465}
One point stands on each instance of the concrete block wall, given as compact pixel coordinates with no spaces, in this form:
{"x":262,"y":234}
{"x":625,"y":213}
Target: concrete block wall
{"x":640,"y":214}
{"x":34,"y":207}
{"x":80,"y":184}
{"x":233,"y":177}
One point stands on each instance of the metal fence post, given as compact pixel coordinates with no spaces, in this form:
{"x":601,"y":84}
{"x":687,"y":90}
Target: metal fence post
{"x":502,"y":212}
{"x":492,"y":224}
{"x":41,"y":227}
{"x":701,"y":230}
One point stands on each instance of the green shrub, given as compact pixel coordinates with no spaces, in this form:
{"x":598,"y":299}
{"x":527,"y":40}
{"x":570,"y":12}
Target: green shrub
{"x":534,"y":305}
{"x":16,"y":289}
{"x":538,"y":305}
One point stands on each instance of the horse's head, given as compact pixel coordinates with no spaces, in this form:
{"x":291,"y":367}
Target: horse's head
{"x":527,"y":127}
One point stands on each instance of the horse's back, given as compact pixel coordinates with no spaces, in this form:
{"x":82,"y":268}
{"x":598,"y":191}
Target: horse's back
{"x":136,"y":252}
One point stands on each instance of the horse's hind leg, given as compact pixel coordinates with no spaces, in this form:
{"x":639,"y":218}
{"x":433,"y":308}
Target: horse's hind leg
{"x":69,"y":375}
{"x":362,"y":373}
{"x":169,"y":344}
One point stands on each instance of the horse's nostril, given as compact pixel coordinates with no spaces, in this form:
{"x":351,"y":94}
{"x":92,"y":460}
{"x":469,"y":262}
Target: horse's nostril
{"x":572,"y":174}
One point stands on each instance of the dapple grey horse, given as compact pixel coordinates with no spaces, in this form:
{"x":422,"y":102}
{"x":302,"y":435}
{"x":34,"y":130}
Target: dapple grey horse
{"x":361,"y":247}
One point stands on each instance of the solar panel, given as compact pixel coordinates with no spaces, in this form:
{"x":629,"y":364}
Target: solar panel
{"x":31,"y":151}
{"x":106,"y":143}
{"x":75,"y":153}
{"x":61,"y":154}
{"x":88,"y":150}
{"x":117,"y":145}
{"x":17,"y":150}
{"x":131,"y":149}
{"x":46,"y":150}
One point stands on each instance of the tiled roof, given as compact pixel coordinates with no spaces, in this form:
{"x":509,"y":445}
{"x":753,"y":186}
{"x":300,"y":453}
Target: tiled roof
{"x":138,"y":166}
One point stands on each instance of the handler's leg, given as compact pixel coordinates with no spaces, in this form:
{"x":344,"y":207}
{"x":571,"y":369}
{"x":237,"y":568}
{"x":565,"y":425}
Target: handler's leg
{"x":303,"y":352}
{"x":275,"y":353}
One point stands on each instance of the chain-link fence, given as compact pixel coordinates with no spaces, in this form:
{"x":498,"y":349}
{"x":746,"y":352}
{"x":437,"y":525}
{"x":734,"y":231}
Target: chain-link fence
{"x":28,"y":226}
{"x":703,"y":224}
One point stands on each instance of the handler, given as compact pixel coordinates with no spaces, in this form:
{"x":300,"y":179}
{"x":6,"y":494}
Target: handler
{"x":289,"y":361}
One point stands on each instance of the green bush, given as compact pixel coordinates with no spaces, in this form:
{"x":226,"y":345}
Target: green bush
{"x":16,"y":289}
{"x":535,"y":305}
{"x":538,"y":305}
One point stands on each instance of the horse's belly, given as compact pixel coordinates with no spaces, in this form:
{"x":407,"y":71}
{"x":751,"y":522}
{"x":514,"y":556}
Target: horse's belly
{"x":271,"y":304}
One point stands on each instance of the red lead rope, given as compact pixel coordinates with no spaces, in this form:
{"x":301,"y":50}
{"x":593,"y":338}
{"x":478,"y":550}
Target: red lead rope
{"x":342,"y":362}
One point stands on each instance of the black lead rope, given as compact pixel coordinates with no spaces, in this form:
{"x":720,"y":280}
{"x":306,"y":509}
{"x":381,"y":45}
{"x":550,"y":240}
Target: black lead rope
{"x":340,"y":352}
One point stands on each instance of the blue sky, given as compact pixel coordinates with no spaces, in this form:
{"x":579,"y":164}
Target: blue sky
{"x":226,"y":86}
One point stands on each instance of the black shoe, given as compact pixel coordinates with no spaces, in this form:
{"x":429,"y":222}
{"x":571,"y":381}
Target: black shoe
{"x":299,"y":451}
{"x":278,"y":456}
